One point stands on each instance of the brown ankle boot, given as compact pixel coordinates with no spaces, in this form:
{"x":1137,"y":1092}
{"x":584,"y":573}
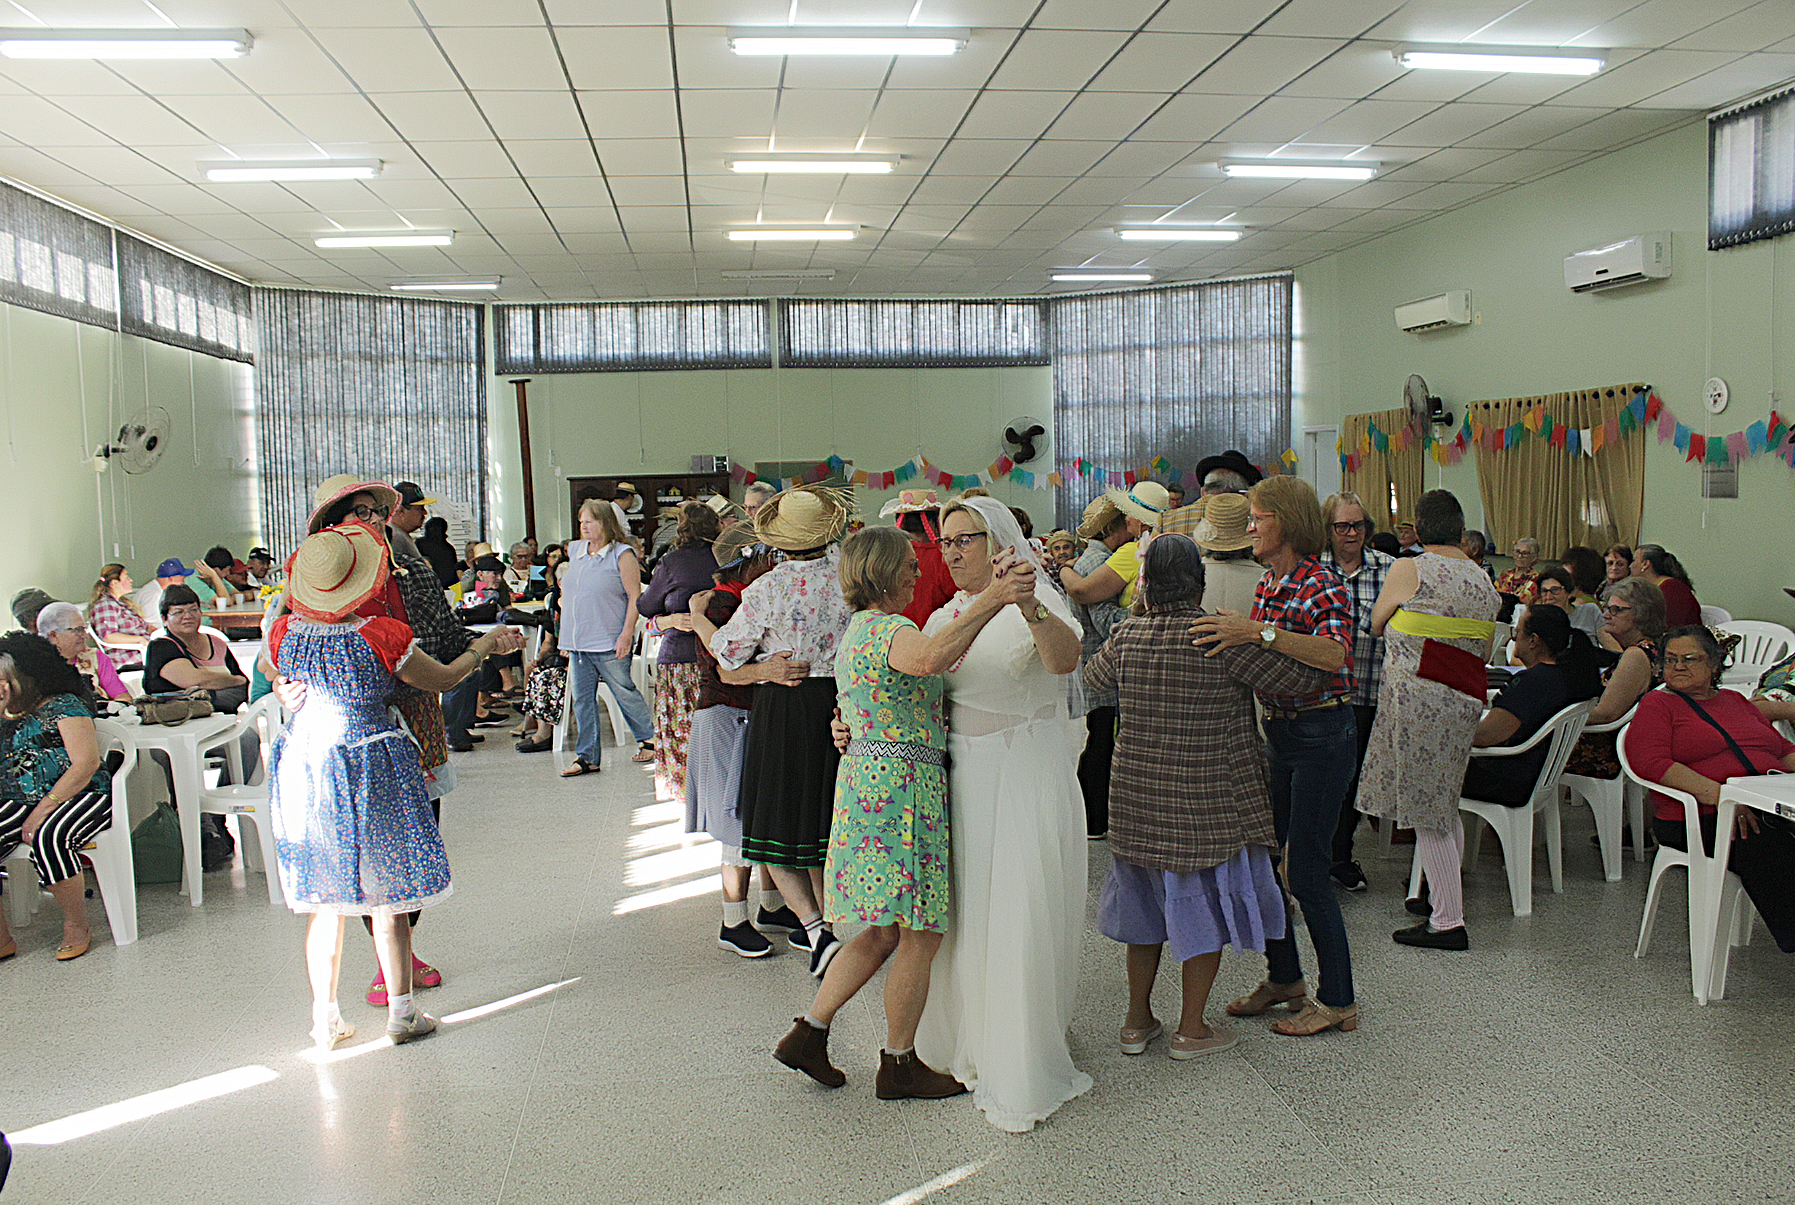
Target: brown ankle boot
{"x":906,"y":1077}
{"x":806,"y":1049}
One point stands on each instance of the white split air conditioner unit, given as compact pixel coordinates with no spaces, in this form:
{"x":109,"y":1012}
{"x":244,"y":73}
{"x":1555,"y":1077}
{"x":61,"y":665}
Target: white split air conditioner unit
{"x":1629,"y":262}
{"x":1451,"y":308}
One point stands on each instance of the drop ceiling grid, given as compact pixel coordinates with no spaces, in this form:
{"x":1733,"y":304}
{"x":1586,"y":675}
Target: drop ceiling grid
{"x":554,"y":83}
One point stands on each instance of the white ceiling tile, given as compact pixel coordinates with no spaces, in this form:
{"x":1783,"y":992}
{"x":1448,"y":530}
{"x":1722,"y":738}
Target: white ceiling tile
{"x":391,"y":60}
{"x":574,"y":192}
{"x":1642,"y":77}
{"x":952,"y":190}
{"x":120,"y":166}
{"x":236,"y":122}
{"x":1451,"y":124}
{"x":705,"y":61}
{"x":634,"y":115}
{"x":1437,"y":86}
{"x":73,"y":77}
{"x":642,"y":157}
{"x":1279,"y":119}
{"x":1375,"y":193}
{"x":285,"y":62}
{"x":465,"y":159}
{"x":1161,"y":62}
{"x":918,"y":113}
{"x":1753,"y":29}
{"x":142,"y":120}
{"x":532,"y":114}
{"x":552,"y":157}
{"x":333,"y":117}
{"x":1553,"y":22}
{"x":495,"y":59}
{"x":483,"y":196}
{"x":1091,"y":190}
{"x":1328,"y":18}
{"x":1026,"y":190}
{"x":1193,"y":117}
{"x":971,"y":68}
{"x":1520,"y":88}
{"x":1081,"y":14}
{"x":721,"y":112}
{"x":1521,"y":165}
{"x":38,"y":122}
{"x":1056,"y":60}
{"x":1617,"y":129}
{"x":412,"y":194}
{"x":1060,"y":158}
{"x":1736,"y":81}
{"x":620,"y":57}
{"x":648,"y":190}
{"x":1377,"y":220}
{"x":1103,"y":115}
{"x":357,"y":14}
{"x":1137,"y":158}
{"x":1441,"y":165}
{"x":1262,"y":65}
{"x":1441,"y":20}
{"x":1214,"y":16}
{"x":1532,"y":126}
{"x":853,"y":72}
{"x":432,"y":116}
{"x":1444,"y":196}
{"x":642,"y":220}
{"x":1368,"y":121}
{"x":837,"y":116}
{"x":1657,"y":22}
{"x":1355,"y":71}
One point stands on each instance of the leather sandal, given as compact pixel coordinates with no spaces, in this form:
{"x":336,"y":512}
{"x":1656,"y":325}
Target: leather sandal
{"x":1269,"y":995}
{"x":644,"y":753}
{"x":1317,"y":1017}
{"x":68,"y":953}
{"x":580,"y":766}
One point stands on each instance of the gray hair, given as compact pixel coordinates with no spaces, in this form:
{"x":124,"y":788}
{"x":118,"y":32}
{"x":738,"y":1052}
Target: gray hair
{"x":1531,"y":544}
{"x":1225,"y":479}
{"x":520,"y":546}
{"x":760,"y":487}
{"x":1173,"y":570}
{"x":60,"y":617}
{"x":1704,"y":636}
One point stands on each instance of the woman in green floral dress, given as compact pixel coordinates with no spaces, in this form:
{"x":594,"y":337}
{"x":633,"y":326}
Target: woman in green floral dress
{"x":888,"y":842}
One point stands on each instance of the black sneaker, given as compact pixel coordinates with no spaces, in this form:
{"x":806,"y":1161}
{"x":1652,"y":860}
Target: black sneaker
{"x":824,"y":954}
{"x":745,"y":940}
{"x":1349,"y":876}
{"x":781,"y":920}
{"x":1433,"y":939}
{"x":799,"y":939}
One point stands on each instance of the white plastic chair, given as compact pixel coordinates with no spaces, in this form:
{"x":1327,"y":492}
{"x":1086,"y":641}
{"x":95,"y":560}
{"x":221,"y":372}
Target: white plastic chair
{"x":247,"y":801}
{"x":619,"y":729}
{"x":109,"y":852}
{"x":1514,"y":826}
{"x":1707,"y":967}
{"x":1761,"y":646}
{"x":1715,"y":616}
{"x":1607,"y":797}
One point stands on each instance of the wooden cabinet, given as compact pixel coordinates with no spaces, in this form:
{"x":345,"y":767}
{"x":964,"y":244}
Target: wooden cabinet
{"x":657,"y":491}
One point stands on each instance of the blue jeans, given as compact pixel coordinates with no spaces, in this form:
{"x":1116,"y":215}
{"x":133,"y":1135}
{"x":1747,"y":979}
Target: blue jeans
{"x":1312,"y":766}
{"x":583,"y":672}
{"x":460,"y":702}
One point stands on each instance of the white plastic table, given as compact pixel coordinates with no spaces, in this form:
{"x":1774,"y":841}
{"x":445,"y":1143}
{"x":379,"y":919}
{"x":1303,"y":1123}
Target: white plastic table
{"x":1772,"y":793}
{"x":184,"y":745}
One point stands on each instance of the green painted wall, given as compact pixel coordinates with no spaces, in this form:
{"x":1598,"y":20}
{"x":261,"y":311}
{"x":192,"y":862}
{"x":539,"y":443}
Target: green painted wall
{"x":64,"y":388}
{"x":1721,"y":314}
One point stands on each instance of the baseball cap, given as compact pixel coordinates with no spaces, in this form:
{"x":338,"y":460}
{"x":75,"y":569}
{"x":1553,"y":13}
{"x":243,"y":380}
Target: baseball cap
{"x":412,"y":494}
{"x":27,"y":601}
{"x":172,"y":567}
{"x":259,"y":554}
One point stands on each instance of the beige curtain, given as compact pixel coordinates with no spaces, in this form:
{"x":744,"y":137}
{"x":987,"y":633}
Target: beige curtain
{"x":1379,"y":471}
{"x":1534,"y":489}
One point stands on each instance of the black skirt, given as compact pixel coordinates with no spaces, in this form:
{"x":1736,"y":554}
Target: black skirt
{"x":788,"y":775}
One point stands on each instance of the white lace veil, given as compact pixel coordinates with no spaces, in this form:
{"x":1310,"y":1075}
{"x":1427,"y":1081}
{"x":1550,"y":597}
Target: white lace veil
{"x":1006,"y":533}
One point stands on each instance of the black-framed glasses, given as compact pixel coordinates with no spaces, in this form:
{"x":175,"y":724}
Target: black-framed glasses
{"x":367,"y":514}
{"x":962,"y":542}
{"x":1615,"y":609}
{"x":1346,"y":529}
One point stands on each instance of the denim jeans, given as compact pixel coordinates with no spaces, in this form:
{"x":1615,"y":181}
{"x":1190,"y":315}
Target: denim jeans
{"x":460,"y":702}
{"x":583,"y":672}
{"x":1311,"y":767}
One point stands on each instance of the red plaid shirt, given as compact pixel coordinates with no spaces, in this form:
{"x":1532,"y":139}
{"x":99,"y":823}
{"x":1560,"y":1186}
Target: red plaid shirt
{"x":1312,"y":601}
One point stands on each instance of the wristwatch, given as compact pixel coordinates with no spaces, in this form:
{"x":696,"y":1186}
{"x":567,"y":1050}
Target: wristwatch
{"x":1036,"y":615}
{"x":1269,"y":635}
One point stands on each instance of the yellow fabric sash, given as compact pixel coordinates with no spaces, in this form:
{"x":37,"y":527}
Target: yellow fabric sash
{"x":1441,"y":627}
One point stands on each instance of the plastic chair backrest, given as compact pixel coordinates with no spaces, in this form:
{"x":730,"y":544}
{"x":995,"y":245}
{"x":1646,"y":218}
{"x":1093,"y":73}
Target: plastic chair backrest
{"x":116,"y":738}
{"x":1714,"y":616}
{"x":1612,"y":725}
{"x":1761,"y":644}
{"x":1691,"y":810}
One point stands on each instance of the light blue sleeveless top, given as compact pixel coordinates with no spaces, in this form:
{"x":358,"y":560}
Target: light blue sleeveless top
{"x":593,"y":603}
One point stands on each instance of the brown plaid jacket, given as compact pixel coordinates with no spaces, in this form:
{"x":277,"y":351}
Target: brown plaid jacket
{"x":1188,"y":789}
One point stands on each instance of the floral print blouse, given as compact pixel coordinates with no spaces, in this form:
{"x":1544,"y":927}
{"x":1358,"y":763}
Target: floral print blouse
{"x":796,"y":607}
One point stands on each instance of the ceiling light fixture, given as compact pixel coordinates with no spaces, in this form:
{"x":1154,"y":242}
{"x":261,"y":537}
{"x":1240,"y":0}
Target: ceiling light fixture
{"x":1286,"y":169}
{"x":290,"y":169}
{"x":779,"y":274}
{"x":1536,"y":60}
{"x":1130,"y":277}
{"x":793,"y":234}
{"x":389,"y":238}
{"x":774,"y":39}
{"x":125,"y":43}
{"x":823,"y":165}
{"x":462,"y":284}
{"x":1189,"y":234}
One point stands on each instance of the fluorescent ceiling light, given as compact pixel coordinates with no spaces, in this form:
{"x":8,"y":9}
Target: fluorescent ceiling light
{"x":1135,"y":277}
{"x":775,"y":39}
{"x":459,"y":284}
{"x":826,"y":165}
{"x":390,"y":238}
{"x":1537,"y":60}
{"x":793,"y":234}
{"x":1192,"y":234}
{"x":1279,"y":169}
{"x":779,"y":274}
{"x":125,"y":43}
{"x":291,"y":169}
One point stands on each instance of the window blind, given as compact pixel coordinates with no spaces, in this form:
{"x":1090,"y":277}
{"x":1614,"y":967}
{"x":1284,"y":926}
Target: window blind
{"x":53,"y":259}
{"x":631,"y":336}
{"x":1751,"y":171}
{"x":392,"y":388}
{"x":830,"y":333}
{"x":1182,"y":372}
{"x":174,"y":300}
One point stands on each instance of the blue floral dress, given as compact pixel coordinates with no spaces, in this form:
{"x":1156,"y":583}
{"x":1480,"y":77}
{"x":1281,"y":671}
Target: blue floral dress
{"x":352,"y":824}
{"x":888,"y":843}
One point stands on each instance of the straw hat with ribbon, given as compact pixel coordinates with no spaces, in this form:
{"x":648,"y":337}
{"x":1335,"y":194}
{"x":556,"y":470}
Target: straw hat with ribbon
{"x":335,"y":571}
{"x":1145,"y":500}
{"x":804,"y":517}
{"x":1098,"y":518}
{"x":333,"y":490}
{"x":1224,"y":525}
{"x":909,"y":502}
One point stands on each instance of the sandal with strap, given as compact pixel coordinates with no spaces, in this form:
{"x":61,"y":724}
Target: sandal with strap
{"x":1269,"y":995}
{"x":1317,"y":1017}
{"x":644,"y":753}
{"x":580,"y":766}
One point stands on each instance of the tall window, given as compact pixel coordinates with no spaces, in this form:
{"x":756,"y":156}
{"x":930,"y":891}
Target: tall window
{"x":1184,"y":371}
{"x":53,"y":259}
{"x":389,"y":388}
{"x":175,"y":300}
{"x":1751,"y":170}
{"x":631,"y":336}
{"x":911,"y":334}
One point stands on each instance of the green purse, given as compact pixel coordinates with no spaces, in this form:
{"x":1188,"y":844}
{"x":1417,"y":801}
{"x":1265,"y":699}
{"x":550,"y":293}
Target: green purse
{"x":156,"y":846}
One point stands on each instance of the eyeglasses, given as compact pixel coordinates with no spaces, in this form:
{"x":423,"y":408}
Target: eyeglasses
{"x":367,"y":514}
{"x":1254,"y":518}
{"x":962,"y":542}
{"x":1682,"y":659}
{"x":1550,"y":588}
{"x":1615,"y":609}
{"x":187,"y":611}
{"x":1346,"y":529}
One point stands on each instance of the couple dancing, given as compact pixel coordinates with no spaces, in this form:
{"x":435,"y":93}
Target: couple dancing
{"x":994,"y":1011}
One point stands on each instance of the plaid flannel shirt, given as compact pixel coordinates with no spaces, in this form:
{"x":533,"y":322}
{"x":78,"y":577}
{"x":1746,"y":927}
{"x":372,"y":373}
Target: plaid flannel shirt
{"x":1364,"y":584}
{"x":1312,"y":601}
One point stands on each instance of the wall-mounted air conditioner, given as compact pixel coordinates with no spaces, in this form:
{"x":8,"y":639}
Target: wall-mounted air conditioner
{"x":1451,"y":308}
{"x":1629,"y":262}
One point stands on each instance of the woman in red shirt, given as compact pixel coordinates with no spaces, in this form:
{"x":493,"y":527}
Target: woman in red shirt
{"x":1664,"y":571}
{"x":1680,"y":737}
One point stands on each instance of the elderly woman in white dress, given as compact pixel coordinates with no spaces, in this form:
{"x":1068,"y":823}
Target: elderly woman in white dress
{"x":1007,"y":973}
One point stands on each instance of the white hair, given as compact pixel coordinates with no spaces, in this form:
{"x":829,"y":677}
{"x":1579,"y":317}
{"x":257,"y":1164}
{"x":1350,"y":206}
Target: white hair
{"x":60,"y":617}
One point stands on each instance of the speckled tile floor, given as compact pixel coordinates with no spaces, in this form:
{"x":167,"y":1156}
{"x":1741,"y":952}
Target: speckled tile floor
{"x":1545,"y":1065}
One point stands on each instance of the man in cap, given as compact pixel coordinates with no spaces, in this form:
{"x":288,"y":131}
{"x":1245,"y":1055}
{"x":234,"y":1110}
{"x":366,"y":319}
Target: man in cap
{"x":1229,"y":473}
{"x":405,"y":521}
{"x":25,"y":607}
{"x":173,"y":573}
{"x":918,"y":514}
{"x":260,"y":563}
{"x":433,"y":622}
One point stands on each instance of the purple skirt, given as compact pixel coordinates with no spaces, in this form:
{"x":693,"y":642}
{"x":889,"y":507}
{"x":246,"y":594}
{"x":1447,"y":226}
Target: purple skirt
{"x":1238,"y":903}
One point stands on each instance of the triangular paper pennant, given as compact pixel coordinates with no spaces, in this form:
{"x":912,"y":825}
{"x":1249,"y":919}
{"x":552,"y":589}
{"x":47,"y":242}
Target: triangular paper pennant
{"x":1698,"y":447}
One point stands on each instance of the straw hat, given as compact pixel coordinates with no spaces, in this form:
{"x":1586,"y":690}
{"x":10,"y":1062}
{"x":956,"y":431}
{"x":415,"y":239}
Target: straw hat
{"x":332,"y":490}
{"x":732,"y":544}
{"x":1060,"y":535}
{"x":1184,"y":519}
{"x":723,"y":507}
{"x":909,"y":502}
{"x":1224,"y":525}
{"x":1097,"y":517}
{"x":803,"y":517}
{"x":335,"y":571}
{"x":1147,"y":501}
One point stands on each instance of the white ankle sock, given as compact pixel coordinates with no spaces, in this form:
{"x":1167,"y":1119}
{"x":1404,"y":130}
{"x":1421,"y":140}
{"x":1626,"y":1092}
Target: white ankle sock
{"x":735,"y":912}
{"x":898,"y":1054}
{"x":813,"y":924}
{"x":399,"y":1006}
{"x":814,"y":1023}
{"x":770,"y":899}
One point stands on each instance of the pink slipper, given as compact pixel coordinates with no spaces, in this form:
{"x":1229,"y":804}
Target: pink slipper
{"x":377,"y":991}
{"x":423,"y":974}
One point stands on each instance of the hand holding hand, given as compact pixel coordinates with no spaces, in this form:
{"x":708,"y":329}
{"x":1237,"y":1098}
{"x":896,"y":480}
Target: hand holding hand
{"x":838,"y":732}
{"x":507,"y":640}
{"x":782,"y":669}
